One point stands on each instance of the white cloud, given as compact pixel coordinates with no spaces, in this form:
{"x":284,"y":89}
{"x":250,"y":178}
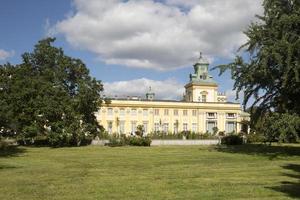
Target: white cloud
{"x":230,"y":94}
{"x":167,"y":89}
{"x":158,"y":35}
{"x":4,"y":55}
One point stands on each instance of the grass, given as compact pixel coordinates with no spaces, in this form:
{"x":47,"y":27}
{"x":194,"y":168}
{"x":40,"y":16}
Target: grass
{"x":241,"y":172}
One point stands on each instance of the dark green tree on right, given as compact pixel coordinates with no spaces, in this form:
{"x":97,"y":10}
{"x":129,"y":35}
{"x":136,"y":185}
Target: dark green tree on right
{"x":268,"y":68}
{"x":271,"y":72}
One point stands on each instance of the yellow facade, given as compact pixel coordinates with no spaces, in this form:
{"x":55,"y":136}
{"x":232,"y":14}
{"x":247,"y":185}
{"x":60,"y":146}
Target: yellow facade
{"x":202,"y":109}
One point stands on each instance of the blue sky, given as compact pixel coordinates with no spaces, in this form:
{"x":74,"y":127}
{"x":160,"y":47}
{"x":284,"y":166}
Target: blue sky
{"x":134,"y":44}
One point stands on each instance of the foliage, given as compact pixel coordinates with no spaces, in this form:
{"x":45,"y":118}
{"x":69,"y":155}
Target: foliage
{"x":123,"y":140}
{"x":139,"y":141}
{"x":221,"y":133}
{"x":6,"y":143}
{"x":215,"y":130}
{"x":271,"y":73}
{"x":139,"y":130}
{"x":281,"y":127}
{"x":255,"y":138}
{"x":232,"y":140}
{"x":50,"y":94}
{"x":181,"y":135}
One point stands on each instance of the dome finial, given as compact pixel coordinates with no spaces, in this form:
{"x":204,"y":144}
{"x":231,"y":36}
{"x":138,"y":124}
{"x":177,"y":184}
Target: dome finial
{"x":201,"y":59}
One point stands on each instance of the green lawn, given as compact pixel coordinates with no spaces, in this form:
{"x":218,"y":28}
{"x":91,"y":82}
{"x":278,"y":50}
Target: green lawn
{"x":242,"y":172}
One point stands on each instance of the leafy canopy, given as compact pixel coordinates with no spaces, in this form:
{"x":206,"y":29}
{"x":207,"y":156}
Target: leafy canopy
{"x":49,"y":94}
{"x":271,"y":71}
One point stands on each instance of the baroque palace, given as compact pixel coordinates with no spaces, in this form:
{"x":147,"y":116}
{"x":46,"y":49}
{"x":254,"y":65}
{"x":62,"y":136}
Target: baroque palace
{"x":201,"y":109}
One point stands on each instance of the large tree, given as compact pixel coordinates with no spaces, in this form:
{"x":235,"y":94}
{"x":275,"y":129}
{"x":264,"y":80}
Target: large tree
{"x":268,"y":67}
{"x":51,"y":94}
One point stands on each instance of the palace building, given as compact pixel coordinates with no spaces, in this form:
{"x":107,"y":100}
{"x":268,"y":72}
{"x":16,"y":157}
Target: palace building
{"x":201,"y":109}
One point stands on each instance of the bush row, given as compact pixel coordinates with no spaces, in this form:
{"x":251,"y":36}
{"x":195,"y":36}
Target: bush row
{"x":189,"y":135}
{"x":232,"y":140}
{"x":57,"y":141}
{"x":129,"y":140}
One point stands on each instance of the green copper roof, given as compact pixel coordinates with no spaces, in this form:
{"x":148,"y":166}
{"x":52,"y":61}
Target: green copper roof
{"x":201,"y":74}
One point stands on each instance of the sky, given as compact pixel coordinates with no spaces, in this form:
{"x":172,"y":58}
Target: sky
{"x":134,"y":44}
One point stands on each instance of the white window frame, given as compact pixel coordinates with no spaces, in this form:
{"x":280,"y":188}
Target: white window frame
{"x":166,"y":112}
{"x":175,"y":112}
{"x":122,"y":112}
{"x":211,"y":115}
{"x":185,"y":126}
{"x":194,"y":127}
{"x":166,"y":127}
{"x":133,"y":112}
{"x":145,"y":112}
{"x":110,"y":111}
{"x":122,"y":127}
{"x":156,"y":127}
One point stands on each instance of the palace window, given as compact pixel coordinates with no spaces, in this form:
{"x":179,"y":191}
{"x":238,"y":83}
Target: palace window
{"x":211,"y":115}
{"x":175,"y":112}
{"x":122,"y":127}
{"x":156,"y":111}
{"x":194,"y":112}
{"x":175,"y":126}
{"x":185,"y":112}
{"x":133,"y":127}
{"x":145,"y":126}
{"x":203,"y":98}
{"x":194,"y":127}
{"x":210,"y":125}
{"x":166,"y":112}
{"x":165,"y":127}
{"x":122,"y":112}
{"x":230,"y":127}
{"x":133,"y":112}
{"x":109,"y":111}
{"x":145,"y":112}
{"x":156,"y":127}
{"x":185,"y":126}
{"x":109,"y":127}
{"x":231,"y":115}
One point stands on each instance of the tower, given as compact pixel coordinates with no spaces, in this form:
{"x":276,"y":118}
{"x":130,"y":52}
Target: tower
{"x":150,"y":95}
{"x":202,"y":87}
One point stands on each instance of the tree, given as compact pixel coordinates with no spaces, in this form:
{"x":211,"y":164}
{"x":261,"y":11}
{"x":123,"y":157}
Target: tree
{"x":280,"y":127}
{"x":140,"y":130}
{"x":49,"y":93}
{"x":271,"y":72}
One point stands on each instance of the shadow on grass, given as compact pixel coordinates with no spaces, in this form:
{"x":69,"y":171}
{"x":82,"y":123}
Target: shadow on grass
{"x":12,"y":151}
{"x":288,"y":187}
{"x":271,"y":152}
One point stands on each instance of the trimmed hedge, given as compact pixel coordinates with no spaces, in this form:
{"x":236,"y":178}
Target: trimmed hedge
{"x":131,"y":141}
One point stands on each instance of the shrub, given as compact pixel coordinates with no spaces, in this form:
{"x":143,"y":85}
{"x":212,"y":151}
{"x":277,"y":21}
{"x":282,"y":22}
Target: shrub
{"x":232,"y":140}
{"x":139,"y":141}
{"x":281,"y":127}
{"x":115,"y":141}
{"x":6,"y":143}
{"x":41,"y":140}
{"x":221,"y":133}
{"x":255,"y":138}
{"x":179,"y":136}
